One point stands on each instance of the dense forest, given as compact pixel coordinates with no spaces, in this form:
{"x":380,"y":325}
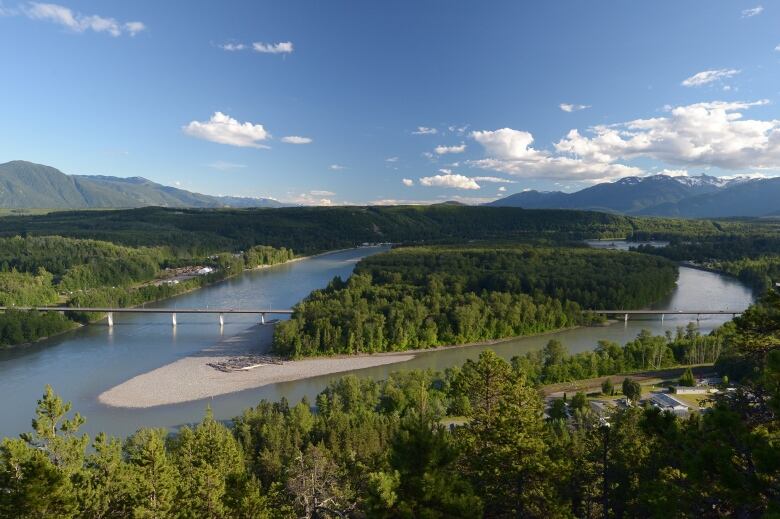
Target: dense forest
{"x":553,"y":364}
{"x":48,"y":270}
{"x":418,"y":297}
{"x":753,"y":258}
{"x":306,"y":230}
{"x":471,"y":442}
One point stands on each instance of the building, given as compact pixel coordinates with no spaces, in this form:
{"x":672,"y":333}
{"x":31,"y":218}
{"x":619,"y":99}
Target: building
{"x":667,"y":402}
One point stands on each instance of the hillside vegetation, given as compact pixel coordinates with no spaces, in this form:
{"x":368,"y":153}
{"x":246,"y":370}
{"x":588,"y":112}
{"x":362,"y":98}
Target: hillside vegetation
{"x":419,"y":297}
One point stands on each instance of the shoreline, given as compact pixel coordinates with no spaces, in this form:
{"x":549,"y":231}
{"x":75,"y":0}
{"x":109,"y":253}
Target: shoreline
{"x":192,"y":378}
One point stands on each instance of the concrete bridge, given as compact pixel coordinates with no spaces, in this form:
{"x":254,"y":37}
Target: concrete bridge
{"x":262,"y":313}
{"x":663,"y":313}
{"x":109,"y":311}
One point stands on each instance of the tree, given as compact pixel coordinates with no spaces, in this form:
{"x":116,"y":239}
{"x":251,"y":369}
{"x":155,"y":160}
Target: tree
{"x":318,"y":485}
{"x":687,"y":378}
{"x":579,"y":401}
{"x":607,"y":387}
{"x":632,"y":390}
{"x":154,"y":476}
{"x":502,"y":446}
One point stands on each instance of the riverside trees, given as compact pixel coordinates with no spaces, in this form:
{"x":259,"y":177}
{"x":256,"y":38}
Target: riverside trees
{"x":382,"y":449}
{"x":419,"y":297}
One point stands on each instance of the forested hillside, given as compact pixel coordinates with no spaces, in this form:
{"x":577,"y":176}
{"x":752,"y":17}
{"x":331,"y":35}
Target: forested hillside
{"x":316,"y":229}
{"x":419,"y":297}
{"x":382,"y":449}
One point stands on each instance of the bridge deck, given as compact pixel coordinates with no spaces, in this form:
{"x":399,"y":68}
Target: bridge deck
{"x":668,"y":312}
{"x":101,"y":309}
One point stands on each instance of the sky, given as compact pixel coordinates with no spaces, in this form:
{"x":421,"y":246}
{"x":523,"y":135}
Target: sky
{"x":368,"y":102}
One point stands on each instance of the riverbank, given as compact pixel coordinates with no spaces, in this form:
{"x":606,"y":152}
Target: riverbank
{"x":193,"y":378}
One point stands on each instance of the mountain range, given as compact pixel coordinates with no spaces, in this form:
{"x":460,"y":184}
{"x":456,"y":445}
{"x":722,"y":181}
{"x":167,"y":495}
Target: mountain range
{"x":663,"y":195}
{"x":26,"y":185}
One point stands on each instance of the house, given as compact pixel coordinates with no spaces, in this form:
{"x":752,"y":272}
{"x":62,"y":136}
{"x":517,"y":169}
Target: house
{"x":667,"y":402}
{"x":205,"y":270}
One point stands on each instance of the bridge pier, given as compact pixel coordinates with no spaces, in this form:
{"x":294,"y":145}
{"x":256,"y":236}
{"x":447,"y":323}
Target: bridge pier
{"x":262,"y":318}
{"x":173,"y":319}
{"x":626,"y":319}
{"x":110,"y":319}
{"x":221,"y":320}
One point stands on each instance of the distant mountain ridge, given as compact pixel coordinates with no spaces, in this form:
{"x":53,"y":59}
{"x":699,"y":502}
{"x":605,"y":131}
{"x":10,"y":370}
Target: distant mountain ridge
{"x":25,"y":185}
{"x":663,"y":195}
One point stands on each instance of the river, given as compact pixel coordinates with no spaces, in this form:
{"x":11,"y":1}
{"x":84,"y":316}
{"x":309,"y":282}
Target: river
{"x":82,"y":364}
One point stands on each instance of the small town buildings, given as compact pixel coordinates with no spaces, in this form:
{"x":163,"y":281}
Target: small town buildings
{"x":667,"y":402}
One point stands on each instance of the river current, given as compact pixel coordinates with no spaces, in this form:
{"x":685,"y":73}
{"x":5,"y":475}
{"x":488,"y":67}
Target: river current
{"x":83,"y":363}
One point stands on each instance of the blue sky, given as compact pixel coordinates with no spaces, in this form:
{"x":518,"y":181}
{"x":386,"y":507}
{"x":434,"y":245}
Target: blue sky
{"x":363,"y":101}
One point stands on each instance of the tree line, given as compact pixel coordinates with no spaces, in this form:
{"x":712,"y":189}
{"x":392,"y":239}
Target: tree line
{"x":754,"y":257}
{"x":48,"y":270}
{"x":554,"y":364}
{"x":471,"y":442}
{"x":419,"y":297}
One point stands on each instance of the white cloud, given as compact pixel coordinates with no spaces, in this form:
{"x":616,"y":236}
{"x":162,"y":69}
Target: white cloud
{"x":510,"y":151}
{"x":408,"y":182}
{"x":501,"y":189}
{"x":424,"y":130}
{"x":441,"y":150}
{"x":674,"y":172}
{"x":704,"y":134}
{"x":449,"y":179}
{"x":225,"y":166}
{"x":336,"y":167}
{"x":749,"y":13}
{"x":777,"y":49}
{"x":295,"y":139}
{"x":495,"y":180}
{"x":77,"y":22}
{"x":391,"y":159}
{"x":566,"y":107}
{"x":316,"y":192}
{"x":709,"y":76}
{"x":232,"y":47}
{"x":223,"y":129}
{"x":283,"y":47}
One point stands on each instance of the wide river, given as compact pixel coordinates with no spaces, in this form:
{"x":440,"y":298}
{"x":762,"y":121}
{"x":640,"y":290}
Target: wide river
{"x":82,"y":364}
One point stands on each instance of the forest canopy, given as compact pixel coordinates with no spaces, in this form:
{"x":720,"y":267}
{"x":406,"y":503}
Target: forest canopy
{"x":419,"y":297}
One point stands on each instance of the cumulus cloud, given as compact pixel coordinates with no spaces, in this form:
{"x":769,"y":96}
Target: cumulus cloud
{"x":283,"y":47}
{"x":501,"y":189}
{"x":77,"y":22}
{"x":749,"y":13}
{"x":449,"y":179}
{"x":496,"y":180}
{"x":408,"y":182}
{"x":391,"y":159}
{"x":232,"y":47}
{"x":713,"y":134}
{"x":566,"y":107}
{"x":424,"y":130}
{"x":710,"y":76}
{"x":224,"y":129}
{"x":295,"y":139}
{"x":336,"y":167}
{"x":442,"y":150}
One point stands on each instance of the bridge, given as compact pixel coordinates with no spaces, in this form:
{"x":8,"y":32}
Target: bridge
{"x":110,"y":311}
{"x":663,"y":313}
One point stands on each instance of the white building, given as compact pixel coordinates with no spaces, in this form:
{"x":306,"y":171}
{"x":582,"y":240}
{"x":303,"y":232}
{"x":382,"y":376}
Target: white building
{"x":667,"y":402}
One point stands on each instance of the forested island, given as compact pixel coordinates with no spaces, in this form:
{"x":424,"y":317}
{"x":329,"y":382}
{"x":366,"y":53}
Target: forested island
{"x":471,"y":442}
{"x":420,"y":297}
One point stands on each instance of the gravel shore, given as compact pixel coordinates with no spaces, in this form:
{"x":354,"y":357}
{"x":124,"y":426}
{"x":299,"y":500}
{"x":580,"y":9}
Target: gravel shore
{"x":191,"y":378}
